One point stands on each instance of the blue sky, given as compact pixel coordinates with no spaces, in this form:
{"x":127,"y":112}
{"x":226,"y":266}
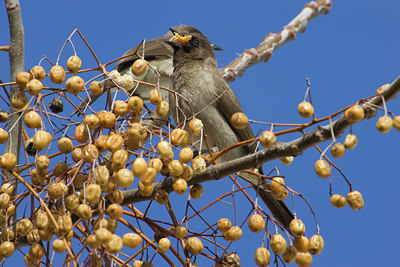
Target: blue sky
{"x":347,"y":55}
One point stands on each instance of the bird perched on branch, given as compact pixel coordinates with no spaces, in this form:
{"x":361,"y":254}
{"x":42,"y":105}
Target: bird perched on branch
{"x":208,"y":97}
{"x":159,"y":55}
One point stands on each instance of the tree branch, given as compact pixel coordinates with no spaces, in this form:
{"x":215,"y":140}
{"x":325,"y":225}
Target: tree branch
{"x":17,"y":55}
{"x":292,"y":148}
{"x":272,"y":41}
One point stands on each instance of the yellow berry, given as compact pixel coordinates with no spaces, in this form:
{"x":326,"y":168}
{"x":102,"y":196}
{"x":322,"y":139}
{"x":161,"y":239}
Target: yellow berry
{"x":34,"y":87}
{"x":267,"y":139}
{"x":74,"y":85}
{"x":278,"y":244}
{"x":354,"y":114}
{"x":57,"y":74}
{"x":322,"y":168}
{"x":350,"y":141}
{"x":38,"y":72}
{"x":74,"y":64}
{"x":355,"y":200}
{"x":139,"y":67}
{"x":239,"y":120}
{"x":384,"y":124}
{"x":262,"y":256}
{"x":315,"y":244}
{"x":338,"y":201}
{"x":338,"y":150}
{"x":303,"y":259}
{"x":305,"y":109}
{"x":297,"y":227}
{"x":194,"y":245}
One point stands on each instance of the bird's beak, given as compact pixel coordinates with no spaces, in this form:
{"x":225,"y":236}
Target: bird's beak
{"x":179,"y":39}
{"x":216,"y":47}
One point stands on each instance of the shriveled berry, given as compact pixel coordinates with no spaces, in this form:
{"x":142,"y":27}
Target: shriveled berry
{"x":161,"y":196}
{"x":290,"y":254}
{"x":355,"y":200}
{"x":196,"y":191}
{"x":56,"y":105}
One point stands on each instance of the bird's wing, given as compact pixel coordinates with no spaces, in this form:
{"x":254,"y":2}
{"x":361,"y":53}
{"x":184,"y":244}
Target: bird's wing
{"x":227,"y":105}
{"x":153,"y":49}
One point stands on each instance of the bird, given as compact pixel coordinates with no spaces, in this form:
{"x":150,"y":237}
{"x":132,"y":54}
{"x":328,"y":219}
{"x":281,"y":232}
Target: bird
{"x":208,"y":97}
{"x":159,"y":55}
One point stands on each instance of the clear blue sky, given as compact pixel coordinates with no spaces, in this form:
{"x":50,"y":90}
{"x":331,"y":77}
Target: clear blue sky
{"x":347,"y":54}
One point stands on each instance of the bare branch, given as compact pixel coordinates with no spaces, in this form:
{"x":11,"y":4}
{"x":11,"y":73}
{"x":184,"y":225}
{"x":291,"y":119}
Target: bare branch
{"x":272,"y":41}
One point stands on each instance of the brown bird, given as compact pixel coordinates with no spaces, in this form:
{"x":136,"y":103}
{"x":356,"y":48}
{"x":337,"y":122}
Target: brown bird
{"x":159,"y":55}
{"x":210,"y":98}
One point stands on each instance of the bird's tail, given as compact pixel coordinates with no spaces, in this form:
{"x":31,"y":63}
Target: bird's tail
{"x":278,"y":208}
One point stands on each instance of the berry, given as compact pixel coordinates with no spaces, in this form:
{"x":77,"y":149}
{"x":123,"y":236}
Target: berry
{"x":350,"y":141}
{"x":239,"y":120}
{"x":139,"y":67}
{"x":338,"y":150}
{"x":267,"y":139}
{"x":297,"y":227}
{"x":305,"y":109}
{"x":74,"y":64}
{"x":355,"y":200}
{"x":338,"y":201}
{"x":57,"y":74}
{"x":384,"y":124}
{"x":322,"y":168}
{"x":354,"y":114}
{"x":262,"y":256}
{"x":256,"y":223}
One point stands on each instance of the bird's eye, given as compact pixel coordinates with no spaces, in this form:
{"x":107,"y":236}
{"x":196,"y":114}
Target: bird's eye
{"x":196,"y":42}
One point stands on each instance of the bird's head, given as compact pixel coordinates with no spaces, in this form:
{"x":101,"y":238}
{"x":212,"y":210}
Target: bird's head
{"x":193,"y":45}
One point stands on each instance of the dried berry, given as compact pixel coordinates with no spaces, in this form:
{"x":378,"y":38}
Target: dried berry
{"x":56,"y":105}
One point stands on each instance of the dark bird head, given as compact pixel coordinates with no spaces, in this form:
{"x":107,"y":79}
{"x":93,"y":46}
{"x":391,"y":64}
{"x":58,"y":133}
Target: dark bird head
{"x":191,"y":46}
